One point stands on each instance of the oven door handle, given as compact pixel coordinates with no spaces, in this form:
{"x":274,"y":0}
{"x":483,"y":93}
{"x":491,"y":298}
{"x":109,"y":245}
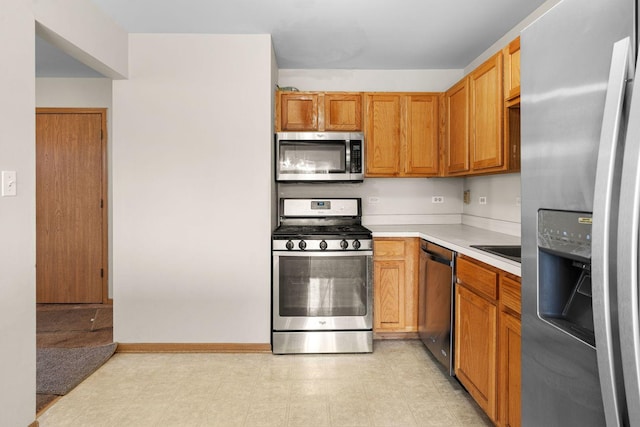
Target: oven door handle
{"x":322,"y":253}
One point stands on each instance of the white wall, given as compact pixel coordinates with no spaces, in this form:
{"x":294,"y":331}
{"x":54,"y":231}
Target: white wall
{"x":393,"y":200}
{"x":79,"y":28}
{"x":82,"y":93}
{"x":192,"y":190}
{"x":17,"y":216}
{"x":370,"y":80}
{"x":502,"y":210}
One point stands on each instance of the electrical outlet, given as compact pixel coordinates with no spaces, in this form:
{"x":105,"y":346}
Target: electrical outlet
{"x":373,"y":200}
{"x":482,"y":200}
{"x":437,"y":199}
{"x":466,"y":197}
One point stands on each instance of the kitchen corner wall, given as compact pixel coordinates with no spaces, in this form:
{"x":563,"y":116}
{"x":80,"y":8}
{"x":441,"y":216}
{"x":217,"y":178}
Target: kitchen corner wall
{"x":501,"y":212}
{"x":192,"y":190}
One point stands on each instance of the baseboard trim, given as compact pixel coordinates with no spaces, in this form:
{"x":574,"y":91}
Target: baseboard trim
{"x":395,"y":336}
{"x":192,"y":348}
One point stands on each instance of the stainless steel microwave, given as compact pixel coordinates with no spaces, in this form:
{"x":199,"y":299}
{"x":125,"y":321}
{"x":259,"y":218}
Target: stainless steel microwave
{"x":319,"y":156}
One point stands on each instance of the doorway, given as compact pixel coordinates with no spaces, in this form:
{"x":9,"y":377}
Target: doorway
{"x":71,"y":206}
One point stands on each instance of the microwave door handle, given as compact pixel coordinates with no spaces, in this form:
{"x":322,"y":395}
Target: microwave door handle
{"x":601,"y":230}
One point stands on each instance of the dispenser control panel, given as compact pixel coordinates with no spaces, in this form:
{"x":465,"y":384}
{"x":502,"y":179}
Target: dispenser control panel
{"x":565,"y":232}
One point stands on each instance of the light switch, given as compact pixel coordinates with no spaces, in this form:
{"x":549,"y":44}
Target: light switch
{"x":9,"y":184}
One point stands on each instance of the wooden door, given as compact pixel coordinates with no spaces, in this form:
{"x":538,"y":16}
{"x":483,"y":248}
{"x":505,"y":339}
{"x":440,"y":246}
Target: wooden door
{"x":382,"y":134}
{"x":70,"y":206}
{"x":422,"y":135}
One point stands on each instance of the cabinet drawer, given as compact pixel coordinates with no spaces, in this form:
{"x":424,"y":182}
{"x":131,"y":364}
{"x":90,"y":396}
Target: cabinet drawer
{"x":510,"y":293}
{"x":388,"y":248}
{"x":480,"y":278}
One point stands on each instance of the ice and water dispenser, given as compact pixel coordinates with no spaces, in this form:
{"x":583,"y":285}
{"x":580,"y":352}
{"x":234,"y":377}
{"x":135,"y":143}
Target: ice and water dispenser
{"x":564,"y":272}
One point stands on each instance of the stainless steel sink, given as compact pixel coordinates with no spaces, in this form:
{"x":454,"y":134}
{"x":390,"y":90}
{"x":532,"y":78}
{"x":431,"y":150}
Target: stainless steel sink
{"x":511,"y":252}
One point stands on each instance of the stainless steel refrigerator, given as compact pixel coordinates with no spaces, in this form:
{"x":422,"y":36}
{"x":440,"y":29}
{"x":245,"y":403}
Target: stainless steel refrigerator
{"x":580,"y":211}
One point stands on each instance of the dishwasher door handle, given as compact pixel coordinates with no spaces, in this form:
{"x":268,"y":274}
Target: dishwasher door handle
{"x":436,"y":258}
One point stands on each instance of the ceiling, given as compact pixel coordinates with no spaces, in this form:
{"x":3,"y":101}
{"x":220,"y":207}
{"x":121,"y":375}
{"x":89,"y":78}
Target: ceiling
{"x":323,"y":34}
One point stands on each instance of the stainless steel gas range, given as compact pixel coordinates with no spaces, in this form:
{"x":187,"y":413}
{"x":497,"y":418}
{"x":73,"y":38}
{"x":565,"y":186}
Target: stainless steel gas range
{"x":322,"y":278}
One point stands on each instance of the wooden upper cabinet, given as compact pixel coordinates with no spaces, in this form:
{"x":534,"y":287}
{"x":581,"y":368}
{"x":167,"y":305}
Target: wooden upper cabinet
{"x":422,"y":130}
{"x":382,"y":134}
{"x":318,"y":111}
{"x":402,"y":134}
{"x":487,"y":148}
{"x":343,"y":111}
{"x":298,"y":111}
{"x":512,"y":69}
{"x":457,"y":129}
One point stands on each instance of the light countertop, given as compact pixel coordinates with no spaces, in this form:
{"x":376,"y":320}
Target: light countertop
{"x":457,"y":237}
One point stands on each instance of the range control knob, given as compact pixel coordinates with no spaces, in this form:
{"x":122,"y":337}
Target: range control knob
{"x":289,"y":245}
{"x":344,"y":244}
{"x":323,"y":246}
{"x":356,"y":244}
{"x":302,"y":245}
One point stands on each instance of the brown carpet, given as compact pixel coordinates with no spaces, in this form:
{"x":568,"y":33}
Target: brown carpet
{"x":62,"y":332}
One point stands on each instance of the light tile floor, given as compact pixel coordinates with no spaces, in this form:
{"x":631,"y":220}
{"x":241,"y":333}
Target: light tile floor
{"x":399,"y":384}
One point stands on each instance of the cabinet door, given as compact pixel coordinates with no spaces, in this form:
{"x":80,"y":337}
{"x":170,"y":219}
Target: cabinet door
{"x":510,"y":378}
{"x":299,"y":111}
{"x":512,"y":69}
{"x":475,"y":347}
{"x":343,"y":111}
{"x":395,"y":291}
{"x":457,"y":117}
{"x":382,"y":135}
{"x":421,"y":158}
{"x":389,"y":303}
{"x":486,"y":116}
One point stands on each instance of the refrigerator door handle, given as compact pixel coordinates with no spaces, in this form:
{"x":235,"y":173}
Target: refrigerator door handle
{"x":629,"y":216}
{"x":601,"y":231}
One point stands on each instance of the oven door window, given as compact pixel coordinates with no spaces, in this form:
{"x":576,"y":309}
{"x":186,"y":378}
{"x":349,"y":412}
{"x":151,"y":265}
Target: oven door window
{"x":323,"y":286}
{"x":312,"y":157}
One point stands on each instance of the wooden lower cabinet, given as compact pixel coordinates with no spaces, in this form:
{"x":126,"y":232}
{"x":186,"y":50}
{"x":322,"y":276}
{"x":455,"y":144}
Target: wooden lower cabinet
{"x":395,"y":299}
{"x":509,"y":342}
{"x":509,"y":370}
{"x":487,"y":338}
{"x":476,"y":323}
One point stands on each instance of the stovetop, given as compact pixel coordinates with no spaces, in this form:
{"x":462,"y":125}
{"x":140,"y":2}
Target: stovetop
{"x":325,"y":231}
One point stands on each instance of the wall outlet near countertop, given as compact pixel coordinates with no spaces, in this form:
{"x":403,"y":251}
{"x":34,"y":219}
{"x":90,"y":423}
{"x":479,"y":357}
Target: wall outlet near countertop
{"x":373,"y":200}
{"x":466,"y":197}
{"x":482,"y":200}
{"x":437,"y":199}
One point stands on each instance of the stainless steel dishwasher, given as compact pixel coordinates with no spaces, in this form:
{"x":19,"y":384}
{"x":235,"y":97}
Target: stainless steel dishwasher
{"x":435,"y":303}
